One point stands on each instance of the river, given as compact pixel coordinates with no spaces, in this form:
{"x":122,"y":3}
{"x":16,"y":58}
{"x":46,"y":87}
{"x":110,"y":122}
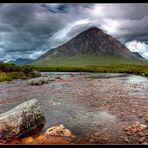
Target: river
{"x":82,"y":101}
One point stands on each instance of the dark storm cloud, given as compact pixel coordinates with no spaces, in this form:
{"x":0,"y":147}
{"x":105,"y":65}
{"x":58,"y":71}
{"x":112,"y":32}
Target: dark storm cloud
{"x":5,"y":28}
{"x":25,"y":27}
{"x":56,"y":8}
{"x":29,"y":30}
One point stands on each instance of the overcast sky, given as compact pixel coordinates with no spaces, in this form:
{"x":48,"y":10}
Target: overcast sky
{"x":29,"y":30}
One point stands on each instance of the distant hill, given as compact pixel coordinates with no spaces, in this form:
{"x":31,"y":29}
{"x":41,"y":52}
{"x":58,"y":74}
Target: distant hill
{"x":90,"y":47}
{"x":21,"y":61}
{"x":138,"y":55}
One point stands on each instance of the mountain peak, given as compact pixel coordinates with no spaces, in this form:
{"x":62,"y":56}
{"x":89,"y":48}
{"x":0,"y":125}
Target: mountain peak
{"x":92,"y":31}
{"x":91,"y":41}
{"x":94,"y":28}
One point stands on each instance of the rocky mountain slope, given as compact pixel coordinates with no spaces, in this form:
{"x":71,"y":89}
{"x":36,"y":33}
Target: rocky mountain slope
{"x":138,"y":55}
{"x":92,"y":42}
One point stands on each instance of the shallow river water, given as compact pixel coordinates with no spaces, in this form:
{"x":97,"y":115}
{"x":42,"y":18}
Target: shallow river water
{"x":80,"y":101}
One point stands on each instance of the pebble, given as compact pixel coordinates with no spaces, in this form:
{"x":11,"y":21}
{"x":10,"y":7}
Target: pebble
{"x":126,"y":129}
{"x":138,"y":130}
{"x":146,"y":134}
{"x":133,"y":130}
{"x":143,"y":126}
{"x":141,"y":134}
{"x":96,"y":134}
{"x":122,"y":113}
{"x":141,"y":140}
{"x":128,"y":133}
{"x":126,"y":140}
{"x":133,"y":126}
{"x":91,"y":140}
{"x":137,"y":123}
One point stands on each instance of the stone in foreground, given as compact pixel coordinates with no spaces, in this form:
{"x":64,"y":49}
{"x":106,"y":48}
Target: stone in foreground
{"x":56,"y":135}
{"x":59,"y":131}
{"x":21,"y":119}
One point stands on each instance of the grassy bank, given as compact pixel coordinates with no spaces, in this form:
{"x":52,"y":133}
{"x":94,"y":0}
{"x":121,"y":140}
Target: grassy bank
{"x":83,"y":60}
{"x":112,"y":68}
{"x":93,"y":63}
{"x":11,"y":71}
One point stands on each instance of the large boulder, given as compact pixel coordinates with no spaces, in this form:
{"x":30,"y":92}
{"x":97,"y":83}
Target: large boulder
{"x":21,"y":119}
{"x":40,"y":81}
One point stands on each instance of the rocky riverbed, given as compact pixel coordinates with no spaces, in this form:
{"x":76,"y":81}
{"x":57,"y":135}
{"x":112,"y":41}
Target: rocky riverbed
{"x":97,"y":108}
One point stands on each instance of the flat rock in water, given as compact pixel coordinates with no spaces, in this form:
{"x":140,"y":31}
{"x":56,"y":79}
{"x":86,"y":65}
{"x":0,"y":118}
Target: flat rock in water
{"x":21,"y":119}
{"x":60,"y":131}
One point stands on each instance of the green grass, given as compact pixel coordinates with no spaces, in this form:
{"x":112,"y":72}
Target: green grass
{"x":93,"y":63}
{"x":111,"y":68}
{"x":85,"y":63}
{"x":85,"y":60}
{"x":4,"y":77}
{"x":11,"y":71}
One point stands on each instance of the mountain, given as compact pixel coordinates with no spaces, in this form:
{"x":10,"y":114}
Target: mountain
{"x":92,"y":46}
{"x":138,"y":55}
{"x":21,"y":61}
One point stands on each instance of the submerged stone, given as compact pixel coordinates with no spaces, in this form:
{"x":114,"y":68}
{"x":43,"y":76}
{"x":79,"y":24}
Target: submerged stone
{"x":60,"y":131}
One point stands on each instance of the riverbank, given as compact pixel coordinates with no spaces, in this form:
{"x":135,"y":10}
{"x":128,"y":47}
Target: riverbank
{"x":141,"y":69}
{"x":9,"y":72}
